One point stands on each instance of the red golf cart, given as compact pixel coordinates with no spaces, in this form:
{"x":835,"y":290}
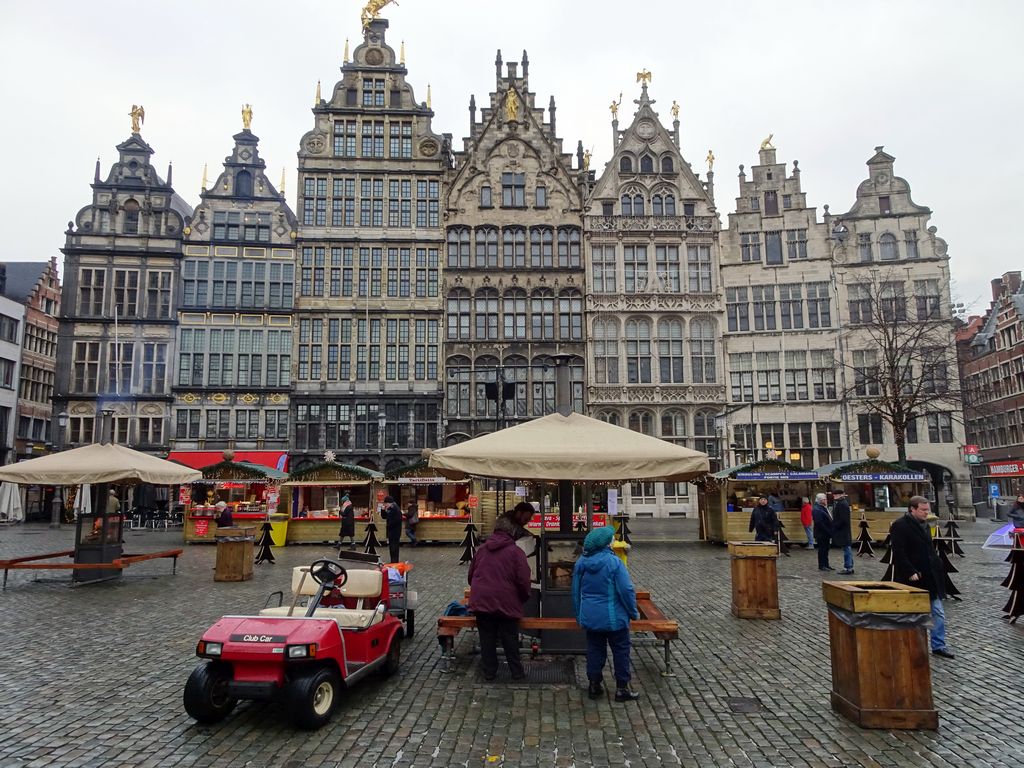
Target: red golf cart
{"x":299,"y":655}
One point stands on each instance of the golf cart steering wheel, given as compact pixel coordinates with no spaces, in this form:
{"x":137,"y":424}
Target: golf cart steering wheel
{"x":328,"y":572}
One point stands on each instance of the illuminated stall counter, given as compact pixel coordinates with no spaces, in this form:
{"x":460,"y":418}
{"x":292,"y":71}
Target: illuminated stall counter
{"x":251,"y":491}
{"x":313,"y":499}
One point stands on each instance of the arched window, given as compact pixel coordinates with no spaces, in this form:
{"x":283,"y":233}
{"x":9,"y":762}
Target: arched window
{"x":131,"y":217}
{"x":673,"y":426}
{"x":514,"y":311}
{"x":646,"y":164}
{"x":670,"y":351}
{"x":542,"y":315}
{"x":705,"y":437}
{"x":670,"y":205}
{"x":609,"y":417}
{"x":457,"y":315}
{"x":486,"y":312}
{"x":657,"y":207}
{"x":457,"y":376}
{"x":513,"y":240}
{"x":542,"y":375}
{"x":626,"y":164}
{"x":627,"y":205}
{"x":888,"y":248}
{"x":638,"y":351}
{"x":570,"y":315}
{"x":517,"y":370}
{"x":577,"y":382}
{"x":606,"y":351}
{"x":638,"y":205}
{"x":485,"y":197}
{"x":487,"y":247}
{"x":458,"y":247}
{"x":642,"y":422}
{"x":243,"y":184}
{"x":667,"y":166}
{"x":485,"y":371}
{"x":542,"y":247}
{"x":702,"y":350}
{"x":568,"y":247}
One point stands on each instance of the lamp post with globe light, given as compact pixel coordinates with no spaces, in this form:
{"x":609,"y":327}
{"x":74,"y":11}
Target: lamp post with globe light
{"x":61,"y":436}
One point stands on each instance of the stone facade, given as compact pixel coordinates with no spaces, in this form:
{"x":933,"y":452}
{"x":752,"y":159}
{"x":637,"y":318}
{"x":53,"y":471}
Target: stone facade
{"x":514,"y":275}
{"x":117,"y":321}
{"x":368,"y":305}
{"x":653,"y":299}
{"x":236,"y":296}
{"x":12,"y":324}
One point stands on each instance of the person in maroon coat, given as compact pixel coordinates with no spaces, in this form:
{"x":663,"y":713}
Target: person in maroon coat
{"x":499,"y":578}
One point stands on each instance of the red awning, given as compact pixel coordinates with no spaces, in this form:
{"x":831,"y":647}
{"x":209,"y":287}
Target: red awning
{"x":199,"y":459}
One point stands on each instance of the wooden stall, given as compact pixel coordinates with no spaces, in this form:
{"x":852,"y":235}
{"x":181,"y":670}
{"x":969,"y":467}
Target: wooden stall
{"x":728,"y":497}
{"x":878,"y":491}
{"x":443,"y":504}
{"x":313,"y":499}
{"x":251,"y":491}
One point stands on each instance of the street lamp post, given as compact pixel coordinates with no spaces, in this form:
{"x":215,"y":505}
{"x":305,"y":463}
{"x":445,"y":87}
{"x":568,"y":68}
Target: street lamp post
{"x":382,"y":421}
{"x":62,"y":425}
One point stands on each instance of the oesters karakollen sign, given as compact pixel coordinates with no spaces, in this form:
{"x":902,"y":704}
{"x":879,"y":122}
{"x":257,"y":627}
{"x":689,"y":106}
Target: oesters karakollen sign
{"x":883,"y":477}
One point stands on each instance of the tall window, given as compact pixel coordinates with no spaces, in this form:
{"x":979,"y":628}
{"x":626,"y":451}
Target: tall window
{"x":642,"y":422}
{"x":126,"y":292}
{"x":154,"y":368}
{"x":514,"y":312}
{"x":741,"y":377}
{"x":864,"y":246}
{"x":764,"y":307}
{"x":635,"y":268}
{"x":823,"y":374}
{"x":801,"y":445}
{"x":603,"y":272}
{"x":542,"y":247}
{"x":458,"y":315}
{"x":750,"y":246}
{"x":517,"y":370}
{"x":314,"y":202}
{"x":90,"y":291}
{"x":934,"y":371}
{"x":487,"y":247}
{"x":85,"y":367}
{"x":671,"y":360}
{"x":187,"y":423}
{"x":373,"y":138}
{"x":796,"y":375}
{"x":568,"y":247}
{"x":485,"y":371}
{"x":400,"y":144}
{"x":486,"y":312}
{"x":427,"y":203}
{"x":704,"y":434}
{"x":667,"y":166}
{"x":737,"y":310}
{"x":513,"y":243}
{"x":769,"y":388}
{"x":541,"y":197}
{"x":859,"y":302}
{"x":542,"y":315}
{"x":791,"y":305}
{"x":667,"y":260}
{"x":626,"y":164}
{"x":927,"y":295}
{"x":458,"y":247}
{"x":373,"y":92}
{"x":646,"y":164}
{"x":773,"y":247}
{"x":771,"y":203}
{"x":892,"y":303}
{"x":513,"y":190}
{"x":865,"y":372}
{"x":606,"y":351}
{"x":869,"y":428}
{"x":543,"y":386}
{"x":673,"y":426}
{"x":940,"y":428}
{"x":829,"y":450}
{"x":910,"y":242}
{"x":486,"y":200}
{"x":570,"y":315}
{"x":796,"y":243}
{"x":702,"y":351}
{"x":888,"y":248}
{"x":819,"y":298}
{"x":638,"y":351}
{"x":120,"y":366}
{"x":345,"y":138}
{"x":131,"y":217}
{"x":158,"y":295}
{"x":698,"y":262}
{"x":632,"y":203}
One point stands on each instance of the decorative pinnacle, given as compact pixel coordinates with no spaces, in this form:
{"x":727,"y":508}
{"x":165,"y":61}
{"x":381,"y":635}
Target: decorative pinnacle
{"x":401,"y":55}
{"x":344,"y":58}
{"x":317,"y":100}
{"x":203,"y":187}
{"x":281,"y":190}
{"x":428,"y":95}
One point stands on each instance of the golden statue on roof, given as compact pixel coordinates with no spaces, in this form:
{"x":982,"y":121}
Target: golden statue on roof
{"x":586,"y":160}
{"x":511,"y":104}
{"x":675,"y":109}
{"x":643,"y":76}
{"x":138,"y":116}
{"x":767,"y":143}
{"x":372,"y":10}
{"x":710,"y":160}
{"x":614,"y":106}
{"x":246,"y":117}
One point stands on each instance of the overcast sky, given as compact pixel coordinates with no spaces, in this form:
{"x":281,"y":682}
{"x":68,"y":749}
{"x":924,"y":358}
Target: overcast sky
{"x":937,"y":82}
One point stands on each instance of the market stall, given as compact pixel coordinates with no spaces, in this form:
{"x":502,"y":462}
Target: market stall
{"x":443,"y":504}
{"x":878,"y":490}
{"x":313,"y":498}
{"x":251,"y":491}
{"x":728,"y":497}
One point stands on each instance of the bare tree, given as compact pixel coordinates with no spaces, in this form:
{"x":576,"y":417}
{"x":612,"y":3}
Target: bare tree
{"x":899,"y":353}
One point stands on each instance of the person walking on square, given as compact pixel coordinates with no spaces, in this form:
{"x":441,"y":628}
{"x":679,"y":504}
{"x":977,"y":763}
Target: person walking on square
{"x":348,"y":522}
{"x":412,"y":519}
{"x":499,"y":581}
{"x":392,"y":515}
{"x":916,"y":564}
{"x":841,"y":534}
{"x":764,"y":521}
{"x":807,"y":520}
{"x":822,"y":530}
{"x":1017,"y":512}
{"x":605,"y":601}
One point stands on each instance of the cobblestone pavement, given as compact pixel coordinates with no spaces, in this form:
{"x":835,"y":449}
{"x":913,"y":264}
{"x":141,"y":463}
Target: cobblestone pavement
{"x":93,"y":676}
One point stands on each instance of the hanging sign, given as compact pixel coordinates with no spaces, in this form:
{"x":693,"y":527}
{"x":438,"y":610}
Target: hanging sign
{"x":202,"y":527}
{"x":521,"y":491}
{"x":776,"y":475}
{"x":883,"y":477}
{"x":474,"y":502}
{"x":380,"y":496}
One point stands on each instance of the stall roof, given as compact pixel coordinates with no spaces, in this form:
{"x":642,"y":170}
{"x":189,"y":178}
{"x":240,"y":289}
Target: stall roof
{"x":573,"y":447}
{"x":861,"y":471}
{"x":419,"y":473}
{"x":241,"y":471}
{"x":198,"y":459}
{"x":773,"y":468}
{"x":328,"y":473}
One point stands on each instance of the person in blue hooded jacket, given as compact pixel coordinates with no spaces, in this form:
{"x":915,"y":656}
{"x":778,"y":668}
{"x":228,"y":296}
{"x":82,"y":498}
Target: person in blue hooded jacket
{"x":605,"y":601}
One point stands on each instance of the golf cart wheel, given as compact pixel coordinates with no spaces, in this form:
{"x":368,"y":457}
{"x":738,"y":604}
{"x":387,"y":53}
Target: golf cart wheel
{"x":394,"y":657}
{"x":312,"y":696}
{"x":410,"y":623}
{"x":206,"y":693}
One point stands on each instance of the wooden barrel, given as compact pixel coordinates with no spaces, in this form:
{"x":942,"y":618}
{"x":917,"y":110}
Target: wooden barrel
{"x":234,"y":554}
{"x":881,"y":677}
{"x":755,"y":581}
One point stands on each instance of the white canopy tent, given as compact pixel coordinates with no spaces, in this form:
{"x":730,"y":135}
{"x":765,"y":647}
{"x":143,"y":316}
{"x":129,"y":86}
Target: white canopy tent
{"x":98,"y":463}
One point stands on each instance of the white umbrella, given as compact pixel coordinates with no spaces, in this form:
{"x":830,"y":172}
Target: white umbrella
{"x":10,"y":504}
{"x":98,"y":463}
{"x":1001,"y":539}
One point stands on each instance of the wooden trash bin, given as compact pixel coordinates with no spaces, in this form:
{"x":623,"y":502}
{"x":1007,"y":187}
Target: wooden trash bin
{"x":755,"y":581}
{"x":234,"y":554}
{"x":881,"y":677}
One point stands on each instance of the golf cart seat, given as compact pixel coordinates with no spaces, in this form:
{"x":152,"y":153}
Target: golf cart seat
{"x":360,"y":585}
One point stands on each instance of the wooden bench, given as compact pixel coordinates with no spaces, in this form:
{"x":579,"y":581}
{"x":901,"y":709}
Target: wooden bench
{"x":651,"y":620}
{"x":31,"y":562}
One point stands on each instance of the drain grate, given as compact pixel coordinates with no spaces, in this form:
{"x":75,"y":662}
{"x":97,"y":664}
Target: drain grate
{"x":538,"y":671}
{"x":743,"y":705}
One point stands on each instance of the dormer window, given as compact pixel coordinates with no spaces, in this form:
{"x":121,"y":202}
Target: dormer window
{"x":646,"y":164}
{"x":884,"y":207}
{"x":131,"y":217}
{"x":243,"y":184}
{"x":667,"y":166}
{"x":625,"y":165}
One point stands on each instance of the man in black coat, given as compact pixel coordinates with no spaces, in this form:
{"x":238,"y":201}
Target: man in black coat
{"x":841,"y":534}
{"x":916,"y":564}
{"x":764,"y":522}
{"x":392,"y":515}
{"x":822,"y":531}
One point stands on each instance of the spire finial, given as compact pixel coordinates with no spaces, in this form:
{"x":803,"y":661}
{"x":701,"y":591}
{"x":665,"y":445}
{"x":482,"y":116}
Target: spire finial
{"x":317,"y":100}
{"x":203,"y":185}
{"x":281,"y":190}
{"x":344,"y":58}
{"x":428,"y":95}
{"x":401,"y":55}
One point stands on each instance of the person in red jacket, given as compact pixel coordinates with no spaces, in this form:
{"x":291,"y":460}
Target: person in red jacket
{"x":499,"y":580}
{"x":807,"y":520}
